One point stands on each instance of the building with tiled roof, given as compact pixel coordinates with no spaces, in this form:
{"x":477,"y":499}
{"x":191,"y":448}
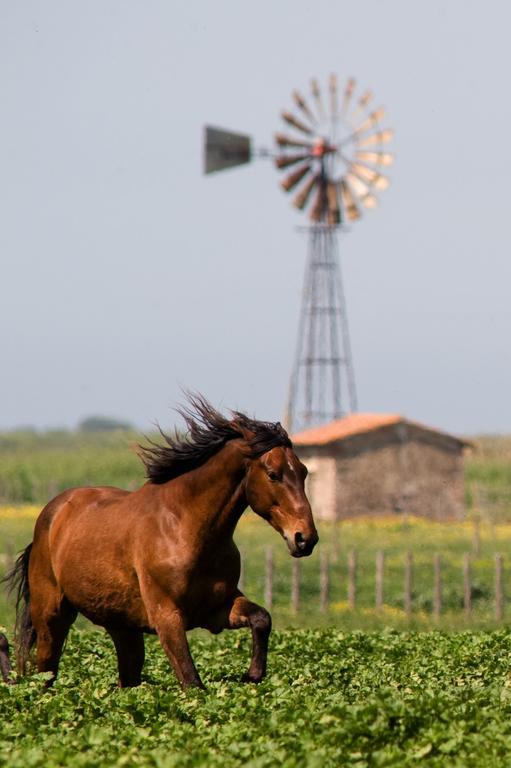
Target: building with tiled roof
{"x":380,"y":464}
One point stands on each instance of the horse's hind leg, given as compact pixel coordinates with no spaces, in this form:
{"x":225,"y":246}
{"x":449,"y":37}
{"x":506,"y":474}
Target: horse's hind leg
{"x":129,"y":646}
{"x":52,"y":616}
{"x":243,"y":613}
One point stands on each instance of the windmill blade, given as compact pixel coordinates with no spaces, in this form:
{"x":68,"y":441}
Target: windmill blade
{"x":369,"y":201}
{"x":295,"y":177}
{"x":292,"y":120}
{"x":319,"y":206}
{"x":316,"y":92}
{"x":301,"y":199}
{"x":348,"y":93}
{"x":381,"y":137}
{"x":365,"y":98}
{"x":373,"y":119}
{"x":285,"y":141}
{"x":334,"y":213}
{"x":361,"y":105}
{"x":359,"y":187}
{"x":362,"y":191}
{"x":303,"y":106}
{"x":381,"y":183}
{"x":284,"y":161}
{"x":332,"y":87}
{"x":375,"y":158}
{"x":372,"y":177}
{"x":352,"y":211}
{"x":224,"y":149}
{"x":364,"y":173}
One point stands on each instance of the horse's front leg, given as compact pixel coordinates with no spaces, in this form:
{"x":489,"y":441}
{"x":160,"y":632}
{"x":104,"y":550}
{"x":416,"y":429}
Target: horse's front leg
{"x":169,"y":623}
{"x":241,"y":612}
{"x":172,"y":633}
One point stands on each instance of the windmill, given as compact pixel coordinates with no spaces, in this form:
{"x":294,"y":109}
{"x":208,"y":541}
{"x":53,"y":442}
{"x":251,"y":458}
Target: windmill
{"x":333,"y":154}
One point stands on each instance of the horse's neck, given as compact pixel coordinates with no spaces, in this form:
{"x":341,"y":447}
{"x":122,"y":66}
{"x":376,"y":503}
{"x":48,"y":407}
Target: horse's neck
{"x":215,"y":491}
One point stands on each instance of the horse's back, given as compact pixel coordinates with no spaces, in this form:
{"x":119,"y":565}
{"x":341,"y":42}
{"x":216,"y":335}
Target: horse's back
{"x":69,"y":504}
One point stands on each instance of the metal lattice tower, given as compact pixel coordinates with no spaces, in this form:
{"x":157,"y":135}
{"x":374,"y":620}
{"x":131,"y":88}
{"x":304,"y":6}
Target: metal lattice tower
{"x":322,"y":385}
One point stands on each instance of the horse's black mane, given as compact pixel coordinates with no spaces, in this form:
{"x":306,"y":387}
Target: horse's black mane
{"x":208,"y":431}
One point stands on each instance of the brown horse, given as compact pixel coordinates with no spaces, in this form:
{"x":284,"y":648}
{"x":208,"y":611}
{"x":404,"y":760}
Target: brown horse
{"x":162,"y":559}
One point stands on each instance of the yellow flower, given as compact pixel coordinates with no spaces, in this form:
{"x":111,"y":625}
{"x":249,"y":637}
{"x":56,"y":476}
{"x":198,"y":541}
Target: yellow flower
{"x":27,"y":511}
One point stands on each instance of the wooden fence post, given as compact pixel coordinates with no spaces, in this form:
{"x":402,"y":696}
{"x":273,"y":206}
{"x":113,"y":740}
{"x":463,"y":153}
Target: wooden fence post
{"x":408,"y":584}
{"x":499,"y":590}
{"x":467,"y":586}
{"x":476,"y":519}
{"x":241,"y":580}
{"x":352,"y":579}
{"x":476,"y":536}
{"x":324,"y":581}
{"x":295,"y":586}
{"x":378,"y":592}
{"x":437,"y":595}
{"x":268,"y":585}
{"x":336,"y":540}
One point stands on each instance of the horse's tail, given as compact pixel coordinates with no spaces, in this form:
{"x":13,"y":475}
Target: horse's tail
{"x":24,"y":632}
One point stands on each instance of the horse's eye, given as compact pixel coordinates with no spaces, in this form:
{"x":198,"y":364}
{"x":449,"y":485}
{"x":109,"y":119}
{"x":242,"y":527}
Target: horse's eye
{"x":273,"y":475}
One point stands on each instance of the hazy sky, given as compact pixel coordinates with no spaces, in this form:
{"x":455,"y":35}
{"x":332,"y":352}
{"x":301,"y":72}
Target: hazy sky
{"x":125,"y":273}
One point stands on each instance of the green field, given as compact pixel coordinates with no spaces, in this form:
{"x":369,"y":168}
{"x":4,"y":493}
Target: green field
{"x":34,"y":466}
{"x":330,"y":699}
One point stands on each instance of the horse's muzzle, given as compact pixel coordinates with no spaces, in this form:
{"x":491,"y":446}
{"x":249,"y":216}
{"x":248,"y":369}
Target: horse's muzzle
{"x":301,"y":545}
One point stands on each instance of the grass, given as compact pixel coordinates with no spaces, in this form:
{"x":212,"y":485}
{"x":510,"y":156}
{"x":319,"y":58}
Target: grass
{"x":34,"y":467}
{"x":331,"y":698}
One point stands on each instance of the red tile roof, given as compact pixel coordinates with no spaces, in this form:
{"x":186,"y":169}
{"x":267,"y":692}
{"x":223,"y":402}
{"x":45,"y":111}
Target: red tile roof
{"x":356,"y":424}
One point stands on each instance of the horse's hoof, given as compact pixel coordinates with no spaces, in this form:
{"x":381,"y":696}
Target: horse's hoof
{"x":251,"y":678}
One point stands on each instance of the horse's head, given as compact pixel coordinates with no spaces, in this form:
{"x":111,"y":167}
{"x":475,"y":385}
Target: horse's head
{"x":275,"y":491}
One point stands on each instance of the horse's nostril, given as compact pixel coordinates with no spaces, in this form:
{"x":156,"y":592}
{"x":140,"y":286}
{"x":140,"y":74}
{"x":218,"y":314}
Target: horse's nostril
{"x":300,"y":541}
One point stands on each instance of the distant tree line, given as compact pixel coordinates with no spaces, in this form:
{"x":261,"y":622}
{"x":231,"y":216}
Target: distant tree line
{"x":103,"y":424}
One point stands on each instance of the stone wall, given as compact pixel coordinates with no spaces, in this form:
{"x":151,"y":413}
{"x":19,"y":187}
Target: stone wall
{"x":399,"y":470}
